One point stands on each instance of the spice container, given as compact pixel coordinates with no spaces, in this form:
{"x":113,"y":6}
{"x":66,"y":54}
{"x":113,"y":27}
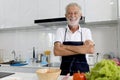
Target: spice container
{"x":47,"y":53}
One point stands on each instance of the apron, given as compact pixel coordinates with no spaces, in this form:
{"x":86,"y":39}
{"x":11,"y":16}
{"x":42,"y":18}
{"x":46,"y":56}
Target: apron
{"x":73,"y":63}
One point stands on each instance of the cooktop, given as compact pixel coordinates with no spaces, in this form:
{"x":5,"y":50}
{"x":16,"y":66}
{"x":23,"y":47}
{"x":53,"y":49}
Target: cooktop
{"x":4,"y":74}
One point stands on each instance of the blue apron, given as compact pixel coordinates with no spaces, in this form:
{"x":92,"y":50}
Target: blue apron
{"x":73,"y":63}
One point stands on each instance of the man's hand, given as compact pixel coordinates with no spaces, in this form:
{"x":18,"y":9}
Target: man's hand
{"x":89,"y":46}
{"x":60,"y":50}
{"x":58,"y":44}
{"x":89,"y":43}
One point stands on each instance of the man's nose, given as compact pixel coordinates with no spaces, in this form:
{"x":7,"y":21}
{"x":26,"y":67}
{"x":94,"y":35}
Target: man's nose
{"x":72,"y":15}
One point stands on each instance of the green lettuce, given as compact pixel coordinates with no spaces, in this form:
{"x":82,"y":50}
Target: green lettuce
{"x":104,"y":70}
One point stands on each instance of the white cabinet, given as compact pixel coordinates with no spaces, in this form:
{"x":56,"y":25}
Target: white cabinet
{"x":100,"y":10}
{"x":95,"y":10}
{"x":64,"y":3}
{"x":119,"y":7}
{"x":15,"y":13}
{"x":55,"y":8}
{"x":48,"y":9}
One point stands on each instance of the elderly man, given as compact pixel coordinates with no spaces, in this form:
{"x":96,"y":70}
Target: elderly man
{"x":73,"y":42}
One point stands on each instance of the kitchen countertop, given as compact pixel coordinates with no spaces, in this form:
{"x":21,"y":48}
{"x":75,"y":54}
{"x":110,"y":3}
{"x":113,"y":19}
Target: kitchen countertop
{"x":28,"y":65}
{"x":26,"y":72}
{"x":21,"y":76}
{"x":24,"y":76}
{"x":30,"y":68}
{"x":33,"y":65}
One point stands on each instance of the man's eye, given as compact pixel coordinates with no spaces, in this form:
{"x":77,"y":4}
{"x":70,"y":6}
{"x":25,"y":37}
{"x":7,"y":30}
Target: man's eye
{"x":69,"y":13}
{"x":75,"y":13}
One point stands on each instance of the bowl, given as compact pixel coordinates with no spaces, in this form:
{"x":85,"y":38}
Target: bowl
{"x":48,"y":74}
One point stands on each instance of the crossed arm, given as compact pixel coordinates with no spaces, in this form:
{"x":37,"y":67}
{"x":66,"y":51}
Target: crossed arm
{"x":65,"y":50}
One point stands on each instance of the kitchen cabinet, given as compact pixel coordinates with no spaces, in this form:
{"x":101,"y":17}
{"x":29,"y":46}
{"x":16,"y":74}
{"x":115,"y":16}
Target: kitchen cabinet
{"x":119,"y":7}
{"x":55,"y":8}
{"x":16,"y":13}
{"x":100,"y":10}
{"x":95,"y":10}
{"x":64,"y":3}
{"x":48,"y":9}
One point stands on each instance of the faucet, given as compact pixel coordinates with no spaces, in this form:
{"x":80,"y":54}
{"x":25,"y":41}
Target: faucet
{"x":13,"y":52}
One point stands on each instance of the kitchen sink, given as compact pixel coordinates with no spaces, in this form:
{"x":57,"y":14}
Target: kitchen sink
{"x":15,"y":63}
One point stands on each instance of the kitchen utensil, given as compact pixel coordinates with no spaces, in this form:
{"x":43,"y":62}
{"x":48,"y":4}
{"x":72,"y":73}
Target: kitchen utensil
{"x":39,"y":57}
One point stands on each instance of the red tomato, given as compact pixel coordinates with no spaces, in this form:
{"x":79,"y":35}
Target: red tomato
{"x":79,"y":76}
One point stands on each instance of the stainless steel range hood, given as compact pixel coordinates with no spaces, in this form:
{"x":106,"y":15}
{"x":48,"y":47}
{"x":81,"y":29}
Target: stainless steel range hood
{"x":55,"y":21}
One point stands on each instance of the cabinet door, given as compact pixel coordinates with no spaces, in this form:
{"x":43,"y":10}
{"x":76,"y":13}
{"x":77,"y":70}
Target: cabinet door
{"x":100,"y":10}
{"x":119,"y":7}
{"x":48,"y":9}
{"x":8,"y":13}
{"x":64,"y":3}
{"x":27,"y":12}
{"x":16,"y":13}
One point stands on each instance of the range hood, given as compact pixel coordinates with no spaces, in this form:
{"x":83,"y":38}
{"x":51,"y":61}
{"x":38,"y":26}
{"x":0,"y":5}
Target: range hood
{"x":55,"y":21}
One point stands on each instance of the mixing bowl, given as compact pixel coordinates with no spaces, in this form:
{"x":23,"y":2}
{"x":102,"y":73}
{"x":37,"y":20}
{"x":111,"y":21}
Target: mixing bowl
{"x":48,"y":74}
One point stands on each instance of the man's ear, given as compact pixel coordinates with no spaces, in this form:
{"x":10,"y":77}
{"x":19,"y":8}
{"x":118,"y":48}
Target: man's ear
{"x":81,"y":16}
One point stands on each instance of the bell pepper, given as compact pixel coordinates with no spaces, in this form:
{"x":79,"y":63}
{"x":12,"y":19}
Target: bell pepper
{"x":79,"y":76}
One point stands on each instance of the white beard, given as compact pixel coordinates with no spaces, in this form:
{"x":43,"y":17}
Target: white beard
{"x":73,"y":22}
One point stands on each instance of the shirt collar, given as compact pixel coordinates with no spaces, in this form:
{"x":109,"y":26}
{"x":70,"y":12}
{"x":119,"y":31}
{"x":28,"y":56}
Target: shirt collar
{"x":80,"y":29}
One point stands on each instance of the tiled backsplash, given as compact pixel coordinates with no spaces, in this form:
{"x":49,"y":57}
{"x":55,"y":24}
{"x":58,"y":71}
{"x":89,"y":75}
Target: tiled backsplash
{"x":23,"y":41}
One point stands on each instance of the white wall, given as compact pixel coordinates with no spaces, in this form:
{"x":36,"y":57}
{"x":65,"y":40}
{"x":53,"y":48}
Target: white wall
{"x":105,"y":39}
{"x":22,"y":41}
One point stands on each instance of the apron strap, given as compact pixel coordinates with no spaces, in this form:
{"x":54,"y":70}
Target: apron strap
{"x":81,"y":34}
{"x":65,"y":34}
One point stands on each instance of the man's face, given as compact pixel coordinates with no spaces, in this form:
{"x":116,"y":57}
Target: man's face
{"x":73,"y":15}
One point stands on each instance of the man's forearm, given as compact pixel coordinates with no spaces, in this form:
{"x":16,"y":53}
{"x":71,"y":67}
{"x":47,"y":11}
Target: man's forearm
{"x":63,"y":52}
{"x":66,"y":50}
{"x":60,"y":50}
{"x":80,"y":49}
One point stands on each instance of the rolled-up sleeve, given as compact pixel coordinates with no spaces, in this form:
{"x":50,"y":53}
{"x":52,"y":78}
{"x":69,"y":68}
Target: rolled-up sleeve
{"x":59,"y":36}
{"x":89,"y":35}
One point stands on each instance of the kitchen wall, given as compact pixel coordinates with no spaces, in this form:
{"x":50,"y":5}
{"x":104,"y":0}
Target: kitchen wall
{"x":105,"y":38}
{"x":23,"y":41}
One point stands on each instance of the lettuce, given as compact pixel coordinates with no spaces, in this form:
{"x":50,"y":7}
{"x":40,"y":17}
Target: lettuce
{"x":104,"y":70}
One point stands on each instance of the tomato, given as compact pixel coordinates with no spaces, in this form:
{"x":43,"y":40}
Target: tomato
{"x":79,"y":76}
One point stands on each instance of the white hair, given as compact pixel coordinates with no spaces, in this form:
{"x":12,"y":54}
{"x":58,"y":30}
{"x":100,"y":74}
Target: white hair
{"x":72,"y":4}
